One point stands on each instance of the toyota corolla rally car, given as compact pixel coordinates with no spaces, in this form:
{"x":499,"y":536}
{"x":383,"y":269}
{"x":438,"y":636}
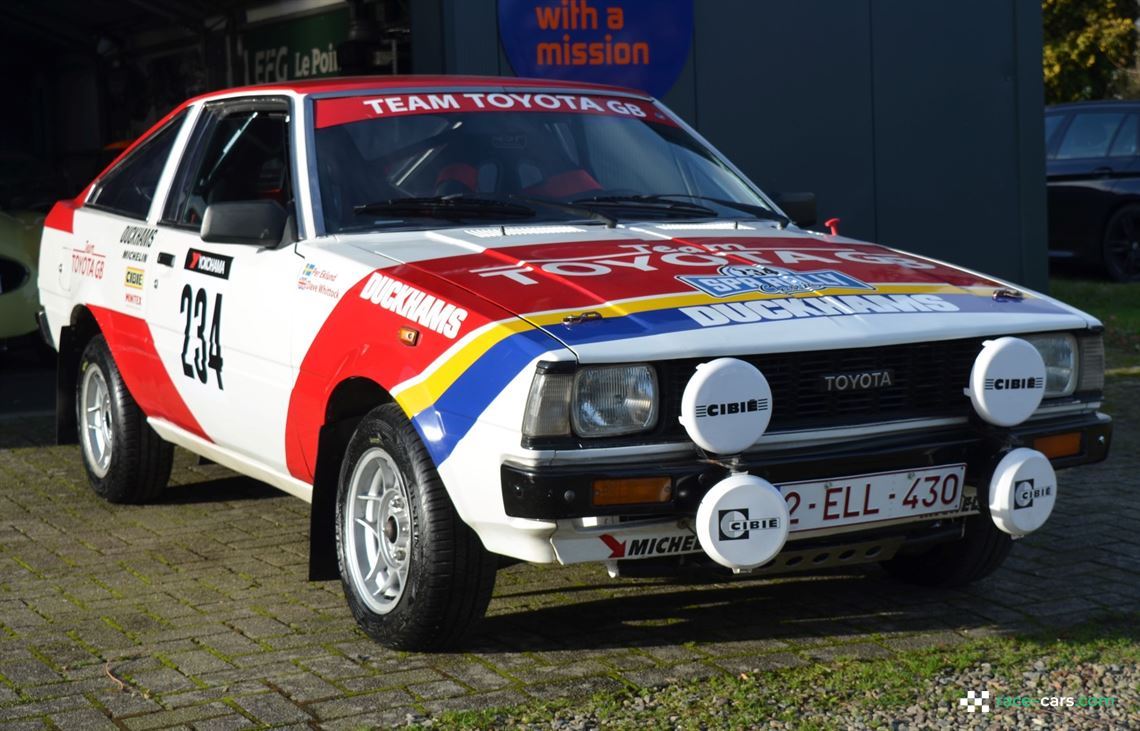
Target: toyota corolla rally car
{"x":479,"y":319}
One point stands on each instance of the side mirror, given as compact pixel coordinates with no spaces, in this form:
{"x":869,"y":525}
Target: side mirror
{"x":257,"y":223}
{"x":800,"y":207}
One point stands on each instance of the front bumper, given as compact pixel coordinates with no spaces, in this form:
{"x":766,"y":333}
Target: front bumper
{"x":562,"y":492}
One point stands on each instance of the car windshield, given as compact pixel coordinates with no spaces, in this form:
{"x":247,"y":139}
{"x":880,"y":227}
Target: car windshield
{"x":413,"y":160}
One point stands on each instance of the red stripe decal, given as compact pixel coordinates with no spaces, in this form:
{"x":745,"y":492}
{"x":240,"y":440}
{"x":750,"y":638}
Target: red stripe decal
{"x":62,"y":216}
{"x":133,"y":348}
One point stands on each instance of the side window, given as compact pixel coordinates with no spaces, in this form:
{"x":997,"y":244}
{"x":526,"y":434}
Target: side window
{"x":1052,"y":122}
{"x":128,"y":188}
{"x":1089,"y":135}
{"x":240,"y":156}
{"x":1125,"y":143}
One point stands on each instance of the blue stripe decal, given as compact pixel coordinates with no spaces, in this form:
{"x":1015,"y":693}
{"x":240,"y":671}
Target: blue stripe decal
{"x":451,"y":417}
{"x":448,"y":420}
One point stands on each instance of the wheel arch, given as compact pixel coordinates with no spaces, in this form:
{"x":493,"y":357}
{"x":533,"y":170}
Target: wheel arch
{"x":348,"y":403}
{"x":73,"y":338}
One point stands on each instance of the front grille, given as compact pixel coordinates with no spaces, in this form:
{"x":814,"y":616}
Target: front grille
{"x":927,"y":382}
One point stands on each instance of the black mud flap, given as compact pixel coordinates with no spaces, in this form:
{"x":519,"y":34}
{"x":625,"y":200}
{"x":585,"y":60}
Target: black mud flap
{"x":322,"y":516}
{"x":67,"y":362}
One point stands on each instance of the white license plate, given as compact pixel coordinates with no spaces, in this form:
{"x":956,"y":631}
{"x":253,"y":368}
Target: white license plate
{"x":873,"y":498}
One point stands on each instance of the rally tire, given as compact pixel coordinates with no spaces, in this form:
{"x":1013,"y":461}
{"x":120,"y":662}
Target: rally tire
{"x":1121,"y":244}
{"x":125,"y":460}
{"x":415,"y":576}
{"x":975,"y":556}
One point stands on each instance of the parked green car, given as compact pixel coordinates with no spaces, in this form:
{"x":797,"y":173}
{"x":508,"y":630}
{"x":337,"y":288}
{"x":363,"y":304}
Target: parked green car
{"x":19,"y":250}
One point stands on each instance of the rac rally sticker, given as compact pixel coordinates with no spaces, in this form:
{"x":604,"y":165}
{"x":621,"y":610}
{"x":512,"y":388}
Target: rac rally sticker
{"x":735,"y":279}
{"x":413,"y":304}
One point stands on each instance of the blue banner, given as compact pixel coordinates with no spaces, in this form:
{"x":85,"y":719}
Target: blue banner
{"x":642,"y":44}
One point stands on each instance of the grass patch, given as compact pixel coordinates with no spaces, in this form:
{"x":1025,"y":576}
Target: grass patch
{"x":808,"y":695}
{"x":1115,"y":304}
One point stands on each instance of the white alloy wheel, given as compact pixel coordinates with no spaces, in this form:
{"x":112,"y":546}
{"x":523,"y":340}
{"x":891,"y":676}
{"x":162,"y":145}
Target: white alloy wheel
{"x":378,"y":531}
{"x":98,"y":427}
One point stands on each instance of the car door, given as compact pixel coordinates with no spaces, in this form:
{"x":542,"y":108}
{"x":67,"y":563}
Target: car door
{"x":1095,"y":148}
{"x":220,"y":312}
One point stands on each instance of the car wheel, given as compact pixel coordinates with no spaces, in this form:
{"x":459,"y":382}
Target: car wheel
{"x":126,"y":461}
{"x":977,"y":555}
{"x":1122,"y":245}
{"x":416,"y":577}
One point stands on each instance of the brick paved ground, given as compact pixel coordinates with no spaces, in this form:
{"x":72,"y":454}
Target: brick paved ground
{"x":195,"y":612}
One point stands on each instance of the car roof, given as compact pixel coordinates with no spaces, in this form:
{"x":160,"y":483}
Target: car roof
{"x":348,"y":84}
{"x":1100,"y":103}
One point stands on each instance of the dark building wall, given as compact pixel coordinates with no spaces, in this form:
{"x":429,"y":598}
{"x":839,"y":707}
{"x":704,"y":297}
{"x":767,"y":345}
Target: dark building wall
{"x":917,"y":123}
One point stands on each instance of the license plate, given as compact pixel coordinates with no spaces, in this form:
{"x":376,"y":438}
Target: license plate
{"x":873,"y":498}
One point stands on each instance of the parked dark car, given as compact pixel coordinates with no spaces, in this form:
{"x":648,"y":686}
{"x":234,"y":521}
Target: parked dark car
{"x":1093,"y":169}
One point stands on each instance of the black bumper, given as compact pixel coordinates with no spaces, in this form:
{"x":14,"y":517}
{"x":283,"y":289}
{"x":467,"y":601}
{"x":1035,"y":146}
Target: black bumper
{"x":45,"y":329}
{"x":548,"y":493}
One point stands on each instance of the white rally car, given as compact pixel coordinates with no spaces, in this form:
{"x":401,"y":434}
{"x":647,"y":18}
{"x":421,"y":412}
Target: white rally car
{"x":480,"y":319}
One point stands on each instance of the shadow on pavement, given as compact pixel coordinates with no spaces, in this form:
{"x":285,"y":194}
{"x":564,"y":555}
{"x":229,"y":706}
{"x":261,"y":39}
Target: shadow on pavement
{"x":34,"y":430}
{"x":219,"y":490}
{"x":858,"y":600}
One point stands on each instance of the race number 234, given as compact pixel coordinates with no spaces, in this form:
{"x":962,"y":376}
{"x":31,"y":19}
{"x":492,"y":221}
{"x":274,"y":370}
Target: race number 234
{"x":207,"y":348}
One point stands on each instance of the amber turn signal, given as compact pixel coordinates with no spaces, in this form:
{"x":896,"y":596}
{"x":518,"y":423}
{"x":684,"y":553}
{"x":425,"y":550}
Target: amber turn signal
{"x":633,"y":491}
{"x":409,"y":335}
{"x":1059,"y":445}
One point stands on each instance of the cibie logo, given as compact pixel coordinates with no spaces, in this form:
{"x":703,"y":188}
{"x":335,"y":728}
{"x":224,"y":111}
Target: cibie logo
{"x":740,"y":279}
{"x":746,"y":406}
{"x":134,"y":277}
{"x":1025,"y":492}
{"x":975,"y":701}
{"x":735,"y":525}
{"x":203,"y":262}
{"x":1014,"y":384}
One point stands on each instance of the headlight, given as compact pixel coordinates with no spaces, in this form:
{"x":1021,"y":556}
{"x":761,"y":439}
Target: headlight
{"x":598,"y":401}
{"x":612,"y":400}
{"x":1059,"y":351}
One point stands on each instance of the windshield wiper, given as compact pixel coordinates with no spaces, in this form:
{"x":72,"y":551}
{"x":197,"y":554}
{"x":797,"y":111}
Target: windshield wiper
{"x":447,"y":207}
{"x":570,"y":208}
{"x":646,"y":204}
{"x":757,"y":211}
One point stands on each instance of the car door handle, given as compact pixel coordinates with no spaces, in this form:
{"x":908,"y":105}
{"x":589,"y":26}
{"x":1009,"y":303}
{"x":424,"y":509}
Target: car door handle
{"x":165,"y":259}
{"x":1103,"y":170}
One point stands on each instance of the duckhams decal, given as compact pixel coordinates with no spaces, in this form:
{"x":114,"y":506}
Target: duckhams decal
{"x":730,"y":313}
{"x":414,"y":304}
{"x":733,"y":279}
{"x":138,"y":236}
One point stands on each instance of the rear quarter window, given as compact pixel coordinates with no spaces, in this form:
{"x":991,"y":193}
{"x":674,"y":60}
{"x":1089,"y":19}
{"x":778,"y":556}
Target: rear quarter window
{"x":128,"y":188}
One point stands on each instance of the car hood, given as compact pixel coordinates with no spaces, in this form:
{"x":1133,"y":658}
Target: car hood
{"x":660,"y":291}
